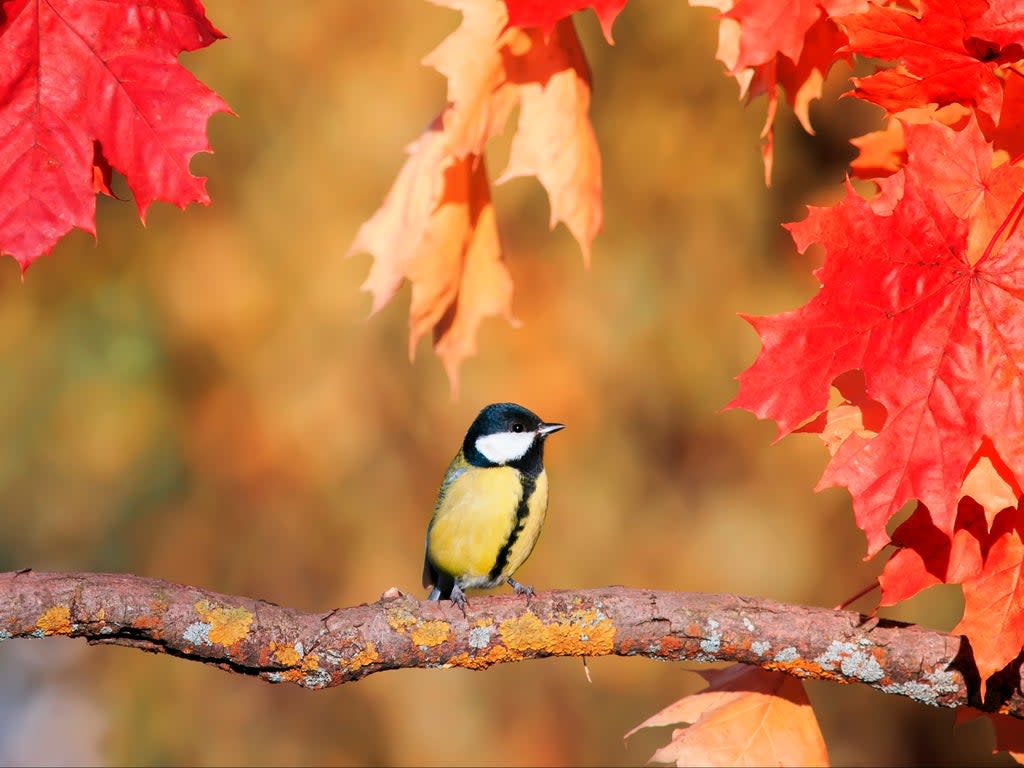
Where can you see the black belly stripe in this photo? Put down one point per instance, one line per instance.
(522, 513)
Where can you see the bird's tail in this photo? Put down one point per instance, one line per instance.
(441, 584)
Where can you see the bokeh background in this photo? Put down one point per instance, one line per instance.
(204, 400)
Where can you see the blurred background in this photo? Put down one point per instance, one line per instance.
(204, 400)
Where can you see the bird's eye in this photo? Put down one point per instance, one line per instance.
(517, 427)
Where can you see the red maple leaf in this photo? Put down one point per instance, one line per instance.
(772, 27)
(940, 59)
(993, 617)
(800, 80)
(765, 45)
(87, 83)
(960, 169)
(1006, 134)
(927, 556)
(938, 338)
(547, 13)
(1002, 23)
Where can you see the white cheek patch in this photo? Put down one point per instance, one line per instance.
(503, 447)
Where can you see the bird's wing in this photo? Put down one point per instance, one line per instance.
(455, 469)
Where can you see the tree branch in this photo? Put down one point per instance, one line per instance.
(318, 650)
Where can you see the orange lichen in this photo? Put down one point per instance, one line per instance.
(55, 621)
(629, 647)
(293, 675)
(227, 625)
(524, 632)
(146, 621)
(585, 632)
(399, 618)
(364, 658)
(299, 667)
(430, 633)
(265, 654)
(286, 654)
(495, 655)
(670, 646)
(804, 668)
(423, 633)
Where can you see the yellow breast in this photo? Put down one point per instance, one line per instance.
(529, 526)
(475, 520)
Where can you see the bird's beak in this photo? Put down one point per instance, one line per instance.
(546, 429)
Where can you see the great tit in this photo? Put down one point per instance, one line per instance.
(490, 506)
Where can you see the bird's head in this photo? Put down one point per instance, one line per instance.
(505, 433)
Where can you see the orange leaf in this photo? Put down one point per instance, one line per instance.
(555, 141)
(478, 283)
(990, 482)
(746, 716)
(480, 95)
(396, 231)
(880, 153)
(857, 414)
(437, 229)
(884, 152)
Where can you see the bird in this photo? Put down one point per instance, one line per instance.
(490, 506)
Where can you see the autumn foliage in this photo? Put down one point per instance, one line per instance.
(745, 716)
(908, 362)
(436, 227)
(919, 293)
(87, 86)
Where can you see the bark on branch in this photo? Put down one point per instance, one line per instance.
(318, 650)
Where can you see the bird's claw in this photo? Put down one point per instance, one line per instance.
(459, 598)
(521, 589)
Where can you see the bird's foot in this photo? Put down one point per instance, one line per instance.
(521, 589)
(459, 598)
